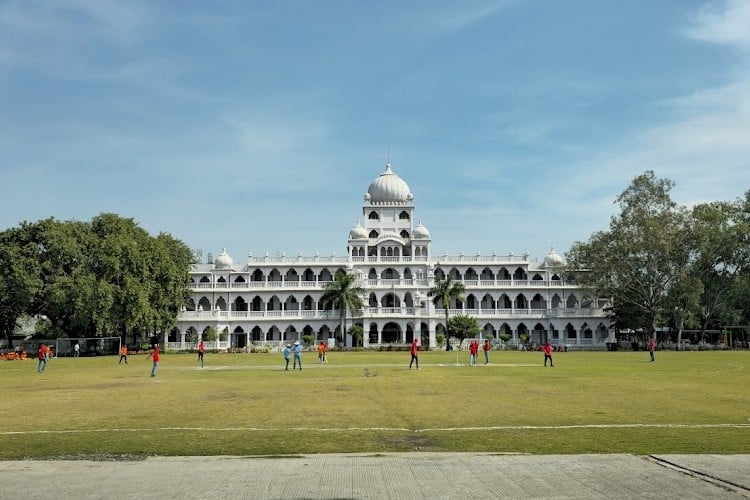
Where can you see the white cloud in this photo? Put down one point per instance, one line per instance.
(729, 25)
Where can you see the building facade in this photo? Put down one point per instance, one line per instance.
(275, 299)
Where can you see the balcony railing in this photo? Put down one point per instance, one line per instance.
(384, 282)
(402, 311)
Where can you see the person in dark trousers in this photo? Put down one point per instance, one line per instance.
(651, 348)
(287, 355)
(201, 350)
(548, 354)
(123, 354)
(414, 353)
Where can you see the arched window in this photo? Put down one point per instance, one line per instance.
(373, 215)
(373, 234)
(404, 215)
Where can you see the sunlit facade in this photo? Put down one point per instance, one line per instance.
(272, 299)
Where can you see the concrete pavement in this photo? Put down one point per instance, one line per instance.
(383, 476)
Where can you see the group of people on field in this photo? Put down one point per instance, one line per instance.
(297, 351)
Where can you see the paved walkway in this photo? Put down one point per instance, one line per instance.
(384, 476)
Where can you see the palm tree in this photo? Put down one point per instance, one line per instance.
(444, 291)
(343, 293)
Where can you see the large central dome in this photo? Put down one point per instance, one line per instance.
(388, 188)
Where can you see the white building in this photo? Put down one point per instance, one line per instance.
(271, 299)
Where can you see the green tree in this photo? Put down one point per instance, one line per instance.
(640, 259)
(210, 334)
(445, 291)
(463, 326)
(357, 334)
(105, 277)
(720, 238)
(20, 283)
(343, 293)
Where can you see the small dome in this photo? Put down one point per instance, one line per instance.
(223, 261)
(553, 259)
(420, 232)
(358, 232)
(388, 188)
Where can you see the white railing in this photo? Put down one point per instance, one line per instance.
(376, 311)
(376, 282)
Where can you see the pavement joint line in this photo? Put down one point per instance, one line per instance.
(709, 478)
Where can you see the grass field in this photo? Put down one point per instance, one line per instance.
(246, 404)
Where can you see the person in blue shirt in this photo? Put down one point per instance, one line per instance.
(287, 355)
(297, 355)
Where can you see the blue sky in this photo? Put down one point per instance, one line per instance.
(258, 126)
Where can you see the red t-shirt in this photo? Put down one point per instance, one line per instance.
(474, 347)
(155, 355)
(486, 346)
(201, 347)
(548, 349)
(414, 348)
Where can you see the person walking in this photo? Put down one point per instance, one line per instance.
(297, 355)
(155, 356)
(548, 354)
(651, 348)
(486, 348)
(201, 350)
(123, 354)
(287, 355)
(414, 353)
(76, 350)
(42, 357)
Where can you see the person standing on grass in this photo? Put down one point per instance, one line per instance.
(201, 349)
(297, 355)
(42, 356)
(473, 350)
(414, 353)
(76, 350)
(651, 348)
(123, 354)
(287, 355)
(486, 348)
(155, 356)
(548, 354)
(322, 352)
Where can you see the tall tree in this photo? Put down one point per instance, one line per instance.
(642, 256)
(720, 238)
(106, 277)
(19, 283)
(169, 266)
(443, 293)
(343, 293)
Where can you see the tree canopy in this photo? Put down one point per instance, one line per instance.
(100, 278)
(663, 264)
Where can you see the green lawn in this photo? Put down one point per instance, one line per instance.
(246, 404)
